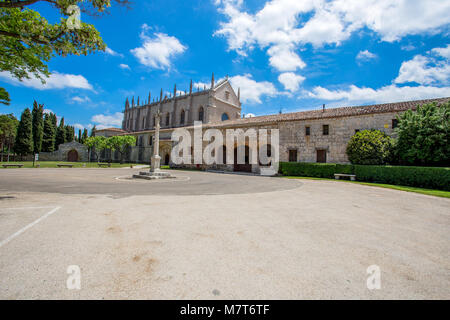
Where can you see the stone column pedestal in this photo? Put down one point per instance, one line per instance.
(155, 163)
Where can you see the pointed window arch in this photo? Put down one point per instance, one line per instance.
(167, 119)
(182, 117)
(201, 114)
(225, 117)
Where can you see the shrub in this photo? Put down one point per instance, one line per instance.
(421, 177)
(424, 136)
(369, 147)
(318, 170)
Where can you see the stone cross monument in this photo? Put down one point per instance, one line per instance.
(156, 159)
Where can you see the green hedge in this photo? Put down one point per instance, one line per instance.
(318, 170)
(421, 177)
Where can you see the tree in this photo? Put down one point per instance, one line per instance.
(371, 147)
(60, 134)
(28, 40)
(8, 130)
(38, 126)
(94, 128)
(70, 133)
(424, 135)
(84, 136)
(48, 140)
(55, 128)
(96, 145)
(79, 135)
(121, 144)
(24, 138)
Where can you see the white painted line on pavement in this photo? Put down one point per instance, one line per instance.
(3, 242)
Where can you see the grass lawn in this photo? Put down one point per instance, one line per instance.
(53, 164)
(430, 192)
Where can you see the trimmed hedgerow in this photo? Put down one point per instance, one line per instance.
(421, 177)
(318, 170)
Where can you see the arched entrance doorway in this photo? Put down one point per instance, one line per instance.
(72, 156)
(242, 167)
(166, 159)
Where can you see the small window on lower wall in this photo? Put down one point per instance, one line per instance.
(394, 123)
(292, 155)
(307, 131)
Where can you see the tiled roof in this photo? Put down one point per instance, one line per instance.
(330, 113)
(318, 114)
(110, 129)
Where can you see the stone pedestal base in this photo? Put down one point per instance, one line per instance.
(155, 165)
(153, 175)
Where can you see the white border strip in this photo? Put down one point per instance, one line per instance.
(3, 242)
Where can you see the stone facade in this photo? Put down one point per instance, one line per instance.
(325, 140)
(71, 151)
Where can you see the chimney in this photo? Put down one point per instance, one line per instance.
(323, 107)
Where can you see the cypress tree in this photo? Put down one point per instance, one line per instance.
(79, 136)
(24, 138)
(93, 131)
(55, 129)
(48, 141)
(38, 126)
(60, 134)
(85, 136)
(70, 133)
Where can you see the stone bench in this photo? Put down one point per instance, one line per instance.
(104, 165)
(12, 165)
(64, 165)
(337, 176)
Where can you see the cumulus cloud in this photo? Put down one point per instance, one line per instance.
(158, 51)
(365, 55)
(55, 81)
(124, 66)
(385, 94)
(79, 99)
(290, 81)
(104, 121)
(113, 53)
(430, 69)
(282, 26)
(251, 90)
(443, 52)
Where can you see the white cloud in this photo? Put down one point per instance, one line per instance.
(365, 55)
(81, 99)
(158, 51)
(249, 115)
(443, 52)
(251, 90)
(113, 53)
(55, 81)
(48, 111)
(124, 66)
(282, 26)
(283, 58)
(429, 69)
(291, 81)
(385, 94)
(104, 121)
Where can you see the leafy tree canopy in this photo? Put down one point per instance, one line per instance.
(28, 40)
(424, 135)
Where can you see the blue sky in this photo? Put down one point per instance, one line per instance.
(284, 54)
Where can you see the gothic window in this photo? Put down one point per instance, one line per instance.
(225, 117)
(200, 114)
(167, 119)
(182, 117)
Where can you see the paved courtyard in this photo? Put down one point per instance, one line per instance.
(216, 236)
